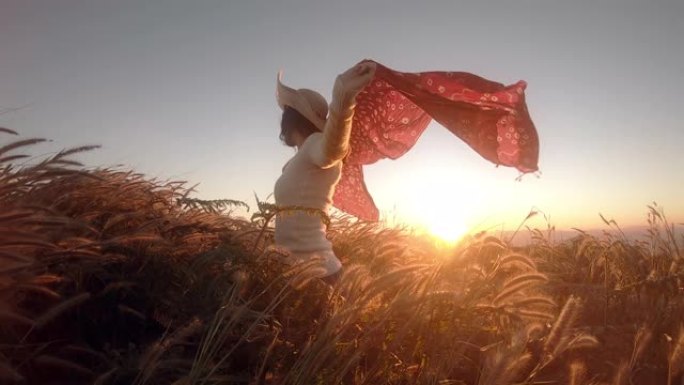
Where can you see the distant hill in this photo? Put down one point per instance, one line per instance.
(632, 233)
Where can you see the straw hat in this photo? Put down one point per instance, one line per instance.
(307, 102)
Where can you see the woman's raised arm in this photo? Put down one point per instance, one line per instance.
(335, 142)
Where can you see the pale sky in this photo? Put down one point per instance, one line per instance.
(185, 90)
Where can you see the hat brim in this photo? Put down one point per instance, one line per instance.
(290, 97)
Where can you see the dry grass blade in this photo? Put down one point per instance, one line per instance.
(21, 143)
(76, 150)
(518, 284)
(10, 269)
(87, 351)
(8, 131)
(565, 321)
(261, 374)
(17, 257)
(12, 158)
(11, 238)
(8, 375)
(106, 377)
(515, 368)
(534, 300)
(56, 362)
(129, 310)
(150, 361)
(517, 258)
(582, 341)
(15, 240)
(676, 357)
(115, 286)
(504, 365)
(578, 372)
(61, 308)
(119, 219)
(11, 317)
(37, 289)
(46, 279)
(392, 278)
(622, 374)
(13, 215)
(128, 239)
(543, 315)
(641, 341)
(65, 162)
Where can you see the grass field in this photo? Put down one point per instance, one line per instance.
(109, 277)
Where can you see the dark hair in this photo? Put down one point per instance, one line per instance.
(293, 121)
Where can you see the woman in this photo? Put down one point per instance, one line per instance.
(308, 181)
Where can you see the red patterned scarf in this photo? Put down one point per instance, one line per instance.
(396, 107)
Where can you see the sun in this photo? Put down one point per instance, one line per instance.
(447, 231)
(441, 207)
(437, 198)
(446, 224)
(446, 227)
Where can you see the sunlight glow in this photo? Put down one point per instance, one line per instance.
(447, 230)
(444, 208)
(446, 227)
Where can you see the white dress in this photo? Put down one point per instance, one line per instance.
(308, 180)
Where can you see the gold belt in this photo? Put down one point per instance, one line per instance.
(307, 210)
